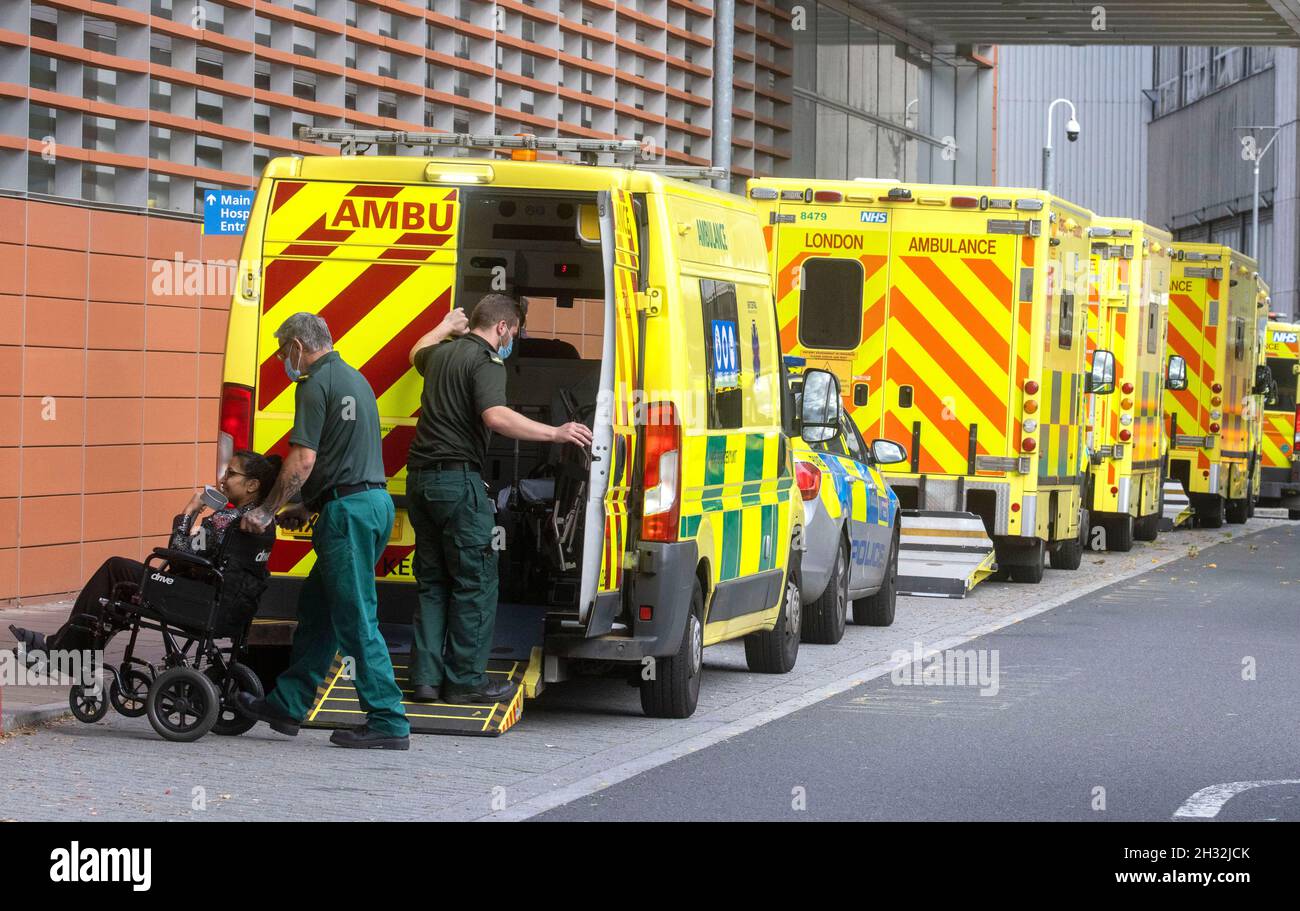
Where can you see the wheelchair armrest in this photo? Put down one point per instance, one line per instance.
(180, 556)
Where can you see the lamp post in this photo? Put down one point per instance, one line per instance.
(1071, 133)
(1254, 154)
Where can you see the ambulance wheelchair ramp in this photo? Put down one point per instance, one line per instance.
(1178, 508)
(337, 706)
(943, 554)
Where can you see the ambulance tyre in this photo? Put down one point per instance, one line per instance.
(1147, 528)
(1209, 511)
(1238, 511)
(824, 619)
(878, 609)
(1070, 554)
(1030, 570)
(674, 689)
(1119, 534)
(775, 651)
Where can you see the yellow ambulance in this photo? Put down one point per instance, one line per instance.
(1214, 311)
(651, 320)
(1279, 466)
(954, 319)
(1127, 316)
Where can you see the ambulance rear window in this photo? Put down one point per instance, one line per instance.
(830, 304)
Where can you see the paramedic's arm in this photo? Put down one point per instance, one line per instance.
(510, 423)
(309, 410)
(454, 323)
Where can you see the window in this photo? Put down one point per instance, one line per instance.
(209, 62)
(305, 6)
(462, 46)
(160, 190)
(462, 84)
(45, 22)
(459, 122)
(97, 182)
(160, 143)
(1196, 73)
(722, 361)
(161, 8)
(304, 85)
(1286, 384)
(208, 152)
(830, 304)
(526, 67)
(100, 35)
(160, 49)
(262, 31)
(40, 122)
(261, 118)
(261, 157)
(388, 104)
(350, 95)
(350, 54)
(99, 84)
(207, 106)
(528, 29)
(1166, 79)
(262, 75)
(1227, 65)
(213, 18)
(160, 95)
(1066, 334)
(40, 175)
(351, 14)
(387, 24)
(98, 133)
(304, 42)
(387, 64)
(44, 72)
(586, 115)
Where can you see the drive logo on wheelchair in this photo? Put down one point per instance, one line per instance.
(159, 577)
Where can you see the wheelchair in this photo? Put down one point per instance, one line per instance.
(202, 608)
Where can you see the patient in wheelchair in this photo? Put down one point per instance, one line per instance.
(247, 480)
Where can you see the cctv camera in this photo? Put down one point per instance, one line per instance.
(1072, 130)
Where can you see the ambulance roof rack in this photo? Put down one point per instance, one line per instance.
(358, 142)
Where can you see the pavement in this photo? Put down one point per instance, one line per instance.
(578, 738)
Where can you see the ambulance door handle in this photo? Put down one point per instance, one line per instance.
(620, 456)
(860, 393)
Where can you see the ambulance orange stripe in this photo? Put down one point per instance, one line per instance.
(407, 255)
(393, 555)
(981, 329)
(1187, 307)
(379, 191)
(284, 191)
(282, 276)
(1027, 252)
(932, 408)
(287, 554)
(1184, 350)
(990, 403)
(896, 430)
(396, 447)
(391, 363)
(997, 281)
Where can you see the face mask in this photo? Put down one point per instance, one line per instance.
(291, 371)
(504, 351)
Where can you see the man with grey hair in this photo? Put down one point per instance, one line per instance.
(335, 462)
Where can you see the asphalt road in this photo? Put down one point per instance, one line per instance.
(1143, 689)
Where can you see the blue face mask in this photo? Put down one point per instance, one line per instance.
(291, 371)
(504, 351)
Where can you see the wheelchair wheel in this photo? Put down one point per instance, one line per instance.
(129, 699)
(238, 679)
(88, 705)
(182, 705)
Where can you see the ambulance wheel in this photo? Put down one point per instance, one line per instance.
(238, 679)
(88, 705)
(1067, 556)
(1237, 511)
(1293, 515)
(878, 609)
(823, 621)
(1147, 528)
(1209, 511)
(674, 689)
(1119, 534)
(775, 651)
(183, 705)
(129, 698)
(1030, 570)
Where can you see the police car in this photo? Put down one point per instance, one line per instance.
(851, 530)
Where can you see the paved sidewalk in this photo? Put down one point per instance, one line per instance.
(578, 737)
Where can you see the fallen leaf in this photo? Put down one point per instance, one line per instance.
(1211, 566)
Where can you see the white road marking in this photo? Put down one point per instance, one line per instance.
(1207, 802)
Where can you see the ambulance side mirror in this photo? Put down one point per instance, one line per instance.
(819, 407)
(887, 452)
(1263, 378)
(1176, 373)
(1101, 378)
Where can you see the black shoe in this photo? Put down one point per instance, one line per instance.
(30, 640)
(487, 694)
(363, 738)
(424, 693)
(262, 710)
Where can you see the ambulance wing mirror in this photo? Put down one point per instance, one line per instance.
(1176, 374)
(1101, 378)
(587, 227)
(887, 452)
(819, 408)
(1263, 379)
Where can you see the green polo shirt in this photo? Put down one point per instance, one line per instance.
(335, 414)
(463, 377)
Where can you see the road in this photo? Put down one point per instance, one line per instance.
(588, 736)
(1144, 690)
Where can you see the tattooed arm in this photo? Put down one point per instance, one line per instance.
(293, 474)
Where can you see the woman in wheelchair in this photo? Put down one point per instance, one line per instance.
(246, 482)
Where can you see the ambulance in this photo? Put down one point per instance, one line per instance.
(954, 319)
(1279, 466)
(1215, 306)
(650, 318)
(1127, 315)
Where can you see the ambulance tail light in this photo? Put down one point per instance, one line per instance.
(809, 479)
(661, 472)
(965, 202)
(828, 196)
(236, 416)
(1297, 424)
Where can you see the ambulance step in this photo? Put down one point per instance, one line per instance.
(337, 706)
(943, 554)
(1178, 509)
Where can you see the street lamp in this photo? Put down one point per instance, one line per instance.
(1071, 133)
(1255, 154)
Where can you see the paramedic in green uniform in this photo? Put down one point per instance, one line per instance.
(463, 403)
(335, 462)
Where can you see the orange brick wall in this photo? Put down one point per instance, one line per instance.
(133, 377)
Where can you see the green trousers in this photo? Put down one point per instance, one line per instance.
(456, 573)
(337, 613)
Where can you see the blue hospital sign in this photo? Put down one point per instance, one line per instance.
(226, 211)
(726, 355)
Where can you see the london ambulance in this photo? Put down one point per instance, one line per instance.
(953, 317)
(650, 318)
(1280, 467)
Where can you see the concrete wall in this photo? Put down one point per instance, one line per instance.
(108, 388)
(1106, 169)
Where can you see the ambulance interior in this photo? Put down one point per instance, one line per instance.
(544, 249)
